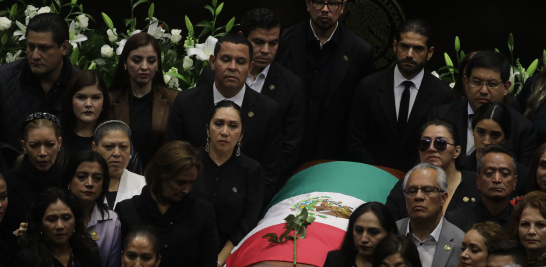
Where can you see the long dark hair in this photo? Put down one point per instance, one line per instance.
(453, 131)
(68, 118)
(533, 167)
(121, 79)
(497, 112)
(80, 241)
(89, 156)
(384, 217)
(393, 244)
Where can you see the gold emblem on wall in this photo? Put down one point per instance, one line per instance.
(376, 22)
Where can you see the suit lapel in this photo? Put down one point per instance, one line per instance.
(445, 246)
(250, 111)
(297, 50)
(159, 108)
(207, 102)
(387, 102)
(342, 61)
(121, 108)
(270, 87)
(420, 107)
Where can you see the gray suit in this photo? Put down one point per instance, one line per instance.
(450, 236)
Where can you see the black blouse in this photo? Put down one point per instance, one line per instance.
(187, 233)
(336, 258)
(466, 193)
(141, 124)
(236, 190)
(25, 184)
(8, 246)
(78, 144)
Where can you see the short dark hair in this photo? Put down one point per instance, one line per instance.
(261, 18)
(49, 22)
(453, 131)
(234, 39)
(144, 231)
(393, 244)
(509, 247)
(496, 112)
(496, 149)
(417, 26)
(489, 60)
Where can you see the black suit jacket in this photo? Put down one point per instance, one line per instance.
(465, 217)
(373, 125)
(286, 89)
(262, 131)
(522, 142)
(353, 61)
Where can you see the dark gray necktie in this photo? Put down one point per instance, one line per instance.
(404, 106)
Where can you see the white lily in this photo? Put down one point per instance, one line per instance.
(75, 37)
(135, 32)
(512, 79)
(435, 74)
(120, 44)
(203, 51)
(45, 9)
(12, 57)
(31, 11)
(155, 30)
(21, 32)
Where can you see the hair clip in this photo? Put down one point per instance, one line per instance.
(42, 115)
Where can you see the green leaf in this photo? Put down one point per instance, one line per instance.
(511, 42)
(129, 21)
(138, 3)
(151, 11)
(214, 3)
(13, 11)
(205, 31)
(457, 44)
(290, 217)
(210, 8)
(450, 68)
(75, 56)
(53, 9)
(58, 3)
(285, 234)
(272, 237)
(303, 214)
(219, 9)
(220, 34)
(462, 55)
(108, 21)
(532, 67)
(4, 39)
(204, 23)
(189, 26)
(302, 233)
(496, 50)
(230, 24)
(448, 61)
(310, 219)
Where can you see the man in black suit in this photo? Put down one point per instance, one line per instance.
(390, 107)
(191, 109)
(330, 60)
(262, 28)
(496, 180)
(487, 80)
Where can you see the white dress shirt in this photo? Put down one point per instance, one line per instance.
(258, 83)
(237, 99)
(427, 247)
(399, 88)
(469, 136)
(330, 38)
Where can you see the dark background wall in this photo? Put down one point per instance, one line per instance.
(480, 24)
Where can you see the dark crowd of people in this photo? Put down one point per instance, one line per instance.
(137, 174)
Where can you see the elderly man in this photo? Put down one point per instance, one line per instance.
(496, 180)
(506, 252)
(437, 240)
(35, 83)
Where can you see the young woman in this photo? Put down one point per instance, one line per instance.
(536, 176)
(112, 140)
(232, 182)
(39, 168)
(86, 104)
(8, 241)
(141, 248)
(86, 176)
(186, 227)
(369, 224)
(56, 235)
(396, 251)
(477, 240)
(139, 95)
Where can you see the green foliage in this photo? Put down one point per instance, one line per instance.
(210, 26)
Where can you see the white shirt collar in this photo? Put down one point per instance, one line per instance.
(258, 83)
(435, 234)
(330, 38)
(470, 111)
(238, 98)
(399, 78)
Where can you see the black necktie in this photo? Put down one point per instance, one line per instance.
(404, 106)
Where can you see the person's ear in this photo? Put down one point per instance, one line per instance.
(60, 142)
(240, 137)
(444, 198)
(430, 52)
(507, 86)
(457, 152)
(208, 130)
(158, 261)
(93, 146)
(65, 46)
(212, 61)
(23, 145)
(251, 66)
(394, 44)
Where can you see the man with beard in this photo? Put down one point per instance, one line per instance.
(330, 60)
(496, 180)
(390, 107)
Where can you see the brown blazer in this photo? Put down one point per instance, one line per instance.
(163, 100)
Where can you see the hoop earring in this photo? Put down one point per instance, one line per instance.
(238, 153)
(207, 147)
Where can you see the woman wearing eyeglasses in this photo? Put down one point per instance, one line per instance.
(439, 145)
(492, 125)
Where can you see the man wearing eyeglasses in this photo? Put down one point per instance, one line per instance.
(487, 80)
(330, 60)
(437, 240)
(496, 180)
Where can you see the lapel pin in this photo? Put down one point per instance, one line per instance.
(272, 87)
(95, 236)
(234, 190)
(251, 114)
(465, 199)
(447, 248)
(346, 58)
(473, 200)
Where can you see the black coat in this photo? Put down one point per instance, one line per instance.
(187, 232)
(335, 258)
(466, 193)
(522, 141)
(287, 89)
(262, 140)
(352, 62)
(25, 258)
(373, 125)
(465, 217)
(8, 246)
(22, 94)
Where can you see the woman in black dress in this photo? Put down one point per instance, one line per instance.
(439, 145)
(368, 225)
(86, 104)
(396, 250)
(56, 235)
(8, 241)
(39, 168)
(186, 228)
(230, 181)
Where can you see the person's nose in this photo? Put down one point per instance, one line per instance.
(265, 49)
(59, 225)
(419, 195)
(144, 65)
(88, 102)
(43, 152)
(483, 89)
(232, 66)
(325, 8)
(487, 141)
(36, 55)
(116, 152)
(224, 131)
(365, 238)
(464, 254)
(532, 231)
(89, 182)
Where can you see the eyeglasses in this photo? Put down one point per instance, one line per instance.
(489, 84)
(428, 190)
(332, 6)
(439, 144)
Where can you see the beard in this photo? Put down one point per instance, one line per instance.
(410, 70)
(324, 25)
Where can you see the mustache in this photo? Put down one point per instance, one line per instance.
(408, 60)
